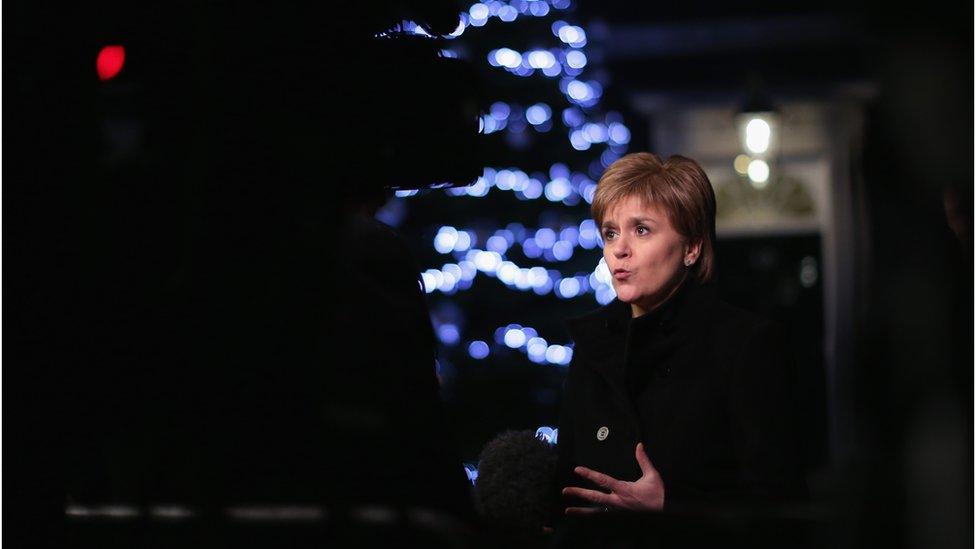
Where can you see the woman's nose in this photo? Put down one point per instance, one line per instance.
(621, 249)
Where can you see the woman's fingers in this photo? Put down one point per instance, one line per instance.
(583, 510)
(601, 480)
(644, 461)
(589, 495)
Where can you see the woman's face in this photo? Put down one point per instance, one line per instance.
(644, 253)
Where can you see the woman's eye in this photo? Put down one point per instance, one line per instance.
(642, 230)
(608, 234)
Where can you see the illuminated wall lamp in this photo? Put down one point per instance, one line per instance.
(757, 123)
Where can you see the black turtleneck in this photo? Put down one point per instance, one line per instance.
(645, 330)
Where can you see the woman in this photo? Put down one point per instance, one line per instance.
(673, 397)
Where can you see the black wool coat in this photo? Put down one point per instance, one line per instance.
(704, 385)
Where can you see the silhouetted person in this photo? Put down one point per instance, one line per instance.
(383, 410)
(185, 312)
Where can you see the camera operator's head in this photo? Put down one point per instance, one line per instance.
(296, 102)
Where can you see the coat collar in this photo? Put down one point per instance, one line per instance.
(605, 337)
(601, 335)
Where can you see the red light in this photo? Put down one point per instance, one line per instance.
(110, 61)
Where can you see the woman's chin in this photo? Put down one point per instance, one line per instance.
(627, 297)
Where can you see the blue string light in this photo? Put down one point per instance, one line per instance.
(450, 240)
(573, 117)
(411, 27)
(575, 59)
(538, 114)
(478, 349)
(547, 434)
(508, 13)
(480, 13)
(448, 334)
(568, 189)
(577, 140)
(538, 9)
(454, 277)
(471, 471)
(551, 63)
(615, 134)
(526, 340)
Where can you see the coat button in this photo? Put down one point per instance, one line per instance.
(602, 433)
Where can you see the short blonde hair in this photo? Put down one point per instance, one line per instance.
(679, 186)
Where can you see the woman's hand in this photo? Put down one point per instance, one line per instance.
(644, 494)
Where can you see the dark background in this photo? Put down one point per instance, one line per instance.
(103, 185)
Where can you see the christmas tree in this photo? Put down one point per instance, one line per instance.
(507, 259)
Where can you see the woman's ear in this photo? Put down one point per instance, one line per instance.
(692, 251)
